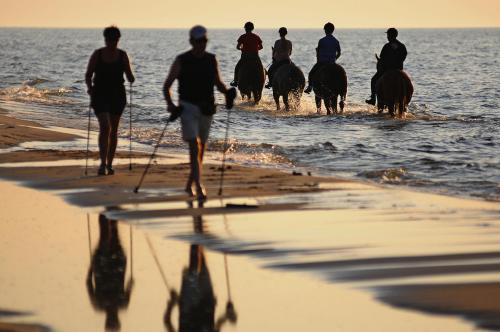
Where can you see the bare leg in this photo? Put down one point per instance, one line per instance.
(104, 130)
(113, 138)
(196, 152)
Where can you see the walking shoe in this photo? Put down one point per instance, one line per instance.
(101, 170)
(110, 169)
(371, 101)
(233, 83)
(308, 89)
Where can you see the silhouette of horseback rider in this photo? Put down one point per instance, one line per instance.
(392, 56)
(281, 54)
(328, 51)
(249, 44)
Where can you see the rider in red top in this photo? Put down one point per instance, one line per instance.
(249, 44)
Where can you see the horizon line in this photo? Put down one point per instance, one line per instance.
(238, 28)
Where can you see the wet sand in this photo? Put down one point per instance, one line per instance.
(296, 252)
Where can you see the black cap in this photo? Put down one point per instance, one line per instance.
(392, 31)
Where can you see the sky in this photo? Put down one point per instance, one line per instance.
(264, 13)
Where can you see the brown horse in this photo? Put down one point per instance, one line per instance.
(329, 82)
(251, 77)
(288, 82)
(394, 90)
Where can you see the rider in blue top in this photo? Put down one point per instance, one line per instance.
(328, 51)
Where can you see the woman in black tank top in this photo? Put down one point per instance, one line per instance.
(104, 79)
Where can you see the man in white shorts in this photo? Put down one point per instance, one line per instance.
(197, 73)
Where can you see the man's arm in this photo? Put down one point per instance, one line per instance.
(218, 82)
(259, 45)
(239, 44)
(90, 71)
(339, 51)
(404, 53)
(173, 74)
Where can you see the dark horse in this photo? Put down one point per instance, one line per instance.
(394, 90)
(330, 82)
(251, 77)
(288, 82)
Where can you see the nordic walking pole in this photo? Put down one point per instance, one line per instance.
(172, 118)
(131, 255)
(228, 285)
(90, 241)
(130, 131)
(230, 95)
(88, 141)
(153, 253)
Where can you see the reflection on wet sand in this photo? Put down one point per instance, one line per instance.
(197, 300)
(106, 274)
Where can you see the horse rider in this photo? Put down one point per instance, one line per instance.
(392, 56)
(328, 51)
(249, 44)
(281, 54)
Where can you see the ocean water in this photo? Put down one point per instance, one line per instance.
(449, 143)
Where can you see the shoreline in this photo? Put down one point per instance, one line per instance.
(379, 235)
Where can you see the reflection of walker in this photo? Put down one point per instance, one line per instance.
(196, 300)
(106, 275)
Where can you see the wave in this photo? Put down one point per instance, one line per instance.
(389, 175)
(28, 93)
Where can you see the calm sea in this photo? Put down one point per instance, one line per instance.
(449, 143)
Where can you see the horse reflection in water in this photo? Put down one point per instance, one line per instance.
(197, 301)
(106, 274)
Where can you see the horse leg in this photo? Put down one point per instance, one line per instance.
(328, 105)
(342, 104)
(256, 97)
(276, 97)
(402, 107)
(285, 101)
(391, 108)
(380, 106)
(334, 103)
(318, 104)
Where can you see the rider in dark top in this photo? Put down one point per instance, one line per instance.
(392, 56)
(328, 51)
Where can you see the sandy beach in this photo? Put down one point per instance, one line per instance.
(280, 251)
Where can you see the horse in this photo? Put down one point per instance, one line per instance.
(251, 78)
(329, 82)
(394, 90)
(288, 82)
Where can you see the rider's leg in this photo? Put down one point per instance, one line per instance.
(235, 76)
(311, 74)
(373, 84)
